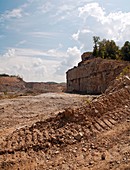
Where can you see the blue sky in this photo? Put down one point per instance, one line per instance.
(41, 39)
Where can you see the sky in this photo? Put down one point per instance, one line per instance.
(41, 39)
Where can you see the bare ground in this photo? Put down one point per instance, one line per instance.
(24, 111)
(94, 134)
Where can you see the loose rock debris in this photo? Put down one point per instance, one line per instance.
(94, 135)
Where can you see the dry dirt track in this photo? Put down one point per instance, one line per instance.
(93, 137)
(22, 111)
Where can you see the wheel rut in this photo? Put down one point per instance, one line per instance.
(36, 139)
(67, 129)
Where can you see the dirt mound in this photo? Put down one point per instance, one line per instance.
(123, 80)
(95, 136)
(11, 84)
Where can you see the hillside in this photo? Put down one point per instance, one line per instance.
(13, 86)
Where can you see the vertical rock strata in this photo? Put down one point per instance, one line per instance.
(93, 76)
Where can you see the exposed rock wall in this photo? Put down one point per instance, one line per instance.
(11, 84)
(93, 76)
(45, 87)
(14, 84)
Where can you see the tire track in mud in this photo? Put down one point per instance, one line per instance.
(67, 128)
(40, 139)
(109, 121)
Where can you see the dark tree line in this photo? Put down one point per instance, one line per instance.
(109, 49)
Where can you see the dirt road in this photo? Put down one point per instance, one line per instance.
(94, 134)
(22, 111)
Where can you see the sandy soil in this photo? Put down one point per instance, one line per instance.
(18, 112)
(89, 133)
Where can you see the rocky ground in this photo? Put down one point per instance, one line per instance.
(58, 131)
(25, 110)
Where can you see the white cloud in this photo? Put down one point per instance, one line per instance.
(92, 9)
(74, 51)
(35, 53)
(46, 7)
(96, 21)
(67, 10)
(75, 36)
(86, 31)
(10, 53)
(82, 37)
(64, 11)
(42, 34)
(33, 65)
(15, 13)
(36, 65)
(52, 24)
(21, 43)
(72, 59)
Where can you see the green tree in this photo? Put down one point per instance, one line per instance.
(102, 48)
(108, 49)
(112, 49)
(125, 51)
(95, 49)
(105, 48)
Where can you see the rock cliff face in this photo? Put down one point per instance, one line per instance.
(14, 85)
(11, 84)
(93, 76)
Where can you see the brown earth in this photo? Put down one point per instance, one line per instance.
(93, 76)
(67, 132)
(25, 110)
(14, 86)
(58, 131)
